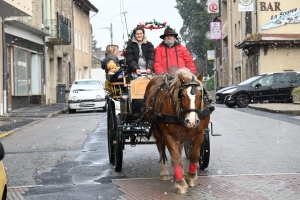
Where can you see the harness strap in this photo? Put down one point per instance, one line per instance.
(170, 119)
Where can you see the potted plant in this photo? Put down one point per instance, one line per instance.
(296, 94)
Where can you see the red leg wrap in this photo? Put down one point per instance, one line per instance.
(178, 172)
(193, 168)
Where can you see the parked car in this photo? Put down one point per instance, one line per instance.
(271, 87)
(86, 94)
(3, 180)
(219, 98)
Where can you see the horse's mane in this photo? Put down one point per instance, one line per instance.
(176, 85)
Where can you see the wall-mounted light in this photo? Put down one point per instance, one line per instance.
(51, 58)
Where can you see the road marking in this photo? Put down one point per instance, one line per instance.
(6, 134)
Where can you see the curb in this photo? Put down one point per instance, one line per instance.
(54, 114)
(288, 112)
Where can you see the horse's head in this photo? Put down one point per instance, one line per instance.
(190, 93)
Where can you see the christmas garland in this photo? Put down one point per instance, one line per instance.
(153, 25)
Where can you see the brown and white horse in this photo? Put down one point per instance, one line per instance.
(178, 112)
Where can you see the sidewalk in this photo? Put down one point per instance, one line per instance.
(247, 186)
(283, 108)
(24, 116)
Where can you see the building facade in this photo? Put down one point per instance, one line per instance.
(83, 38)
(24, 42)
(38, 37)
(9, 9)
(58, 21)
(260, 41)
(69, 45)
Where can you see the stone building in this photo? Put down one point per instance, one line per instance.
(260, 41)
(83, 38)
(43, 54)
(68, 46)
(9, 9)
(24, 42)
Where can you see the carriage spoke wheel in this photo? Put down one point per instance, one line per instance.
(242, 101)
(118, 146)
(110, 131)
(204, 151)
(187, 147)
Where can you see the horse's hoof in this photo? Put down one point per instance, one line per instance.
(164, 177)
(191, 179)
(180, 186)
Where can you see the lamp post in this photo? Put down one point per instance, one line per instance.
(111, 29)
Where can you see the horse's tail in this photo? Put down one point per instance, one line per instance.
(163, 156)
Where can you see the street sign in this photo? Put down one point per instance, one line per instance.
(246, 5)
(210, 54)
(213, 6)
(215, 31)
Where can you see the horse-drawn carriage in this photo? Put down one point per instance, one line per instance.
(175, 110)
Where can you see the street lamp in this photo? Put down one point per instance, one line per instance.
(111, 30)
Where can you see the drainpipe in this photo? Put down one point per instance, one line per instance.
(5, 75)
(44, 57)
(74, 50)
(256, 30)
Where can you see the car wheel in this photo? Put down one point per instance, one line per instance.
(242, 101)
(104, 108)
(72, 110)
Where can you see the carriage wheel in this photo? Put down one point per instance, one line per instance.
(111, 129)
(187, 148)
(205, 151)
(119, 147)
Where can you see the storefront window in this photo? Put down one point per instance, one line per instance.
(20, 72)
(36, 74)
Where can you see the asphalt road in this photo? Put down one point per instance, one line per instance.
(65, 157)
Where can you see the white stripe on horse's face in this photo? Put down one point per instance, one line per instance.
(192, 116)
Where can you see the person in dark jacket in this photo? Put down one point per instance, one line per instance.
(170, 55)
(111, 64)
(139, 54)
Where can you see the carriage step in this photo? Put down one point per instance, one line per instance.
(144, 142)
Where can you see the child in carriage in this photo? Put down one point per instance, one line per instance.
(114, 73)
(111, 64)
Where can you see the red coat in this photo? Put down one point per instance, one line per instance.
(184, 58)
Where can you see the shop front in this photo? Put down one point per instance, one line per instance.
(26, 72)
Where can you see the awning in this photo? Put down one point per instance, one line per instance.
(257, 39)
(26, 27)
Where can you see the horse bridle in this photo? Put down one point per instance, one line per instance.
(201, 113)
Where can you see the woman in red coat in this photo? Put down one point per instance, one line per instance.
(171, 55)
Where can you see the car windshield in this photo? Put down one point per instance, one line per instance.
(249, 80)
(87, 84)
(90, 82)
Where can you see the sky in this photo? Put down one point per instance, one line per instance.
(137, 11)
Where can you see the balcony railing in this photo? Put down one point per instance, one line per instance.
(59, 31)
